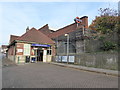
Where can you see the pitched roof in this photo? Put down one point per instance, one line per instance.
(70, 28)
(67, 29)
(45, 29)
(12, 38)
(34, 35)
(64, 30)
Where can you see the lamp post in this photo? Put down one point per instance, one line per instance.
(83, 30)
(67, 35)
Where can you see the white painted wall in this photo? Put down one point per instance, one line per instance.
(44, 55)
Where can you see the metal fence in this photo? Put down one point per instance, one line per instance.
(84, 52)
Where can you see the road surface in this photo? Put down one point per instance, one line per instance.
(44, 75)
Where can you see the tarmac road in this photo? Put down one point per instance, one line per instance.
(44, 75)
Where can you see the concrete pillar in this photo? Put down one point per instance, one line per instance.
(45, 56)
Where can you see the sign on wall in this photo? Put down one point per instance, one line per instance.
(27, 48)
(59, 58)
(71, 59)
(64, 58)
(19, 50)
(42, 45)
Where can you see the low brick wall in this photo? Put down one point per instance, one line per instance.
(97, 60)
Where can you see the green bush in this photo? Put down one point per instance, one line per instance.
(102, 38)
(107, 45)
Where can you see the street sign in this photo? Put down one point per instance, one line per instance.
(42, 45)
(77, 20)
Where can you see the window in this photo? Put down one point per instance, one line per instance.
(48, 52)
(26, 49)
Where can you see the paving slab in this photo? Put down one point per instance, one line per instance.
(91, 69)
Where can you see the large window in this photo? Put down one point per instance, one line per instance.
(27, 49)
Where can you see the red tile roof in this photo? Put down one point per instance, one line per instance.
(45, 29)
(12, 38)
(67, 29)
(34, 35)
(64, 30)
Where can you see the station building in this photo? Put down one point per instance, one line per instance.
(47, 45)
(69, 40)
(31, 46)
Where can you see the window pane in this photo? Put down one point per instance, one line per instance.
(48, 52)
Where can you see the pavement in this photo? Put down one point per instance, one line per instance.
(7, 63)
(45, 75)
(90, 69)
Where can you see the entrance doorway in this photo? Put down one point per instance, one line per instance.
(27, 60)
(39, 55)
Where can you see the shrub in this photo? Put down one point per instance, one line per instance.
(107, 45)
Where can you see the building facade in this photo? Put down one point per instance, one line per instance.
(69, 40)
(47, 45)
(32, 46)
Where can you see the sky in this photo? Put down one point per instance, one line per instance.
(16, 16)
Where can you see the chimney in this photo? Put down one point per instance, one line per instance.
(27, 29)
(85, 21)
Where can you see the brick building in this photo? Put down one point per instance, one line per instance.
(75, 36)
(32, 45)
(45, 44)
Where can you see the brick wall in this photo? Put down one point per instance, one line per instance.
(11, 50)
(19, 48)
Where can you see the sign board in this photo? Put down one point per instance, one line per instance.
(64, 58)
(58, 58)
(77, 20)
(35, 48)
(71, 59)
(27, 48)
(19, 50)
(42, 45)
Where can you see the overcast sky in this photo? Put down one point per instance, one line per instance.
(16, 16)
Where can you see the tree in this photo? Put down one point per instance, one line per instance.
(107, 26)
(108, 12)
(106, 22)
